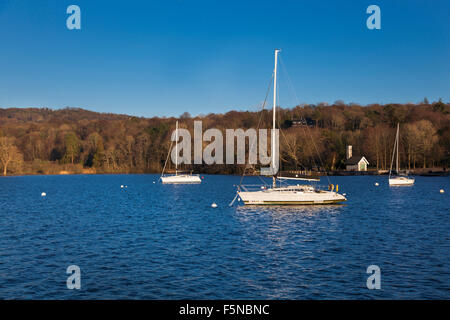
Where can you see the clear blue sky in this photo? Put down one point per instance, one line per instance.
(162, 58)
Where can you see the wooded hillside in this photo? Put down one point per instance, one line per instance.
(45, 141)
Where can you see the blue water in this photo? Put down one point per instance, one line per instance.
(153, 241)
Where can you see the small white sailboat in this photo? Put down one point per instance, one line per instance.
(180, 177)
(286, 195)
(398, 179)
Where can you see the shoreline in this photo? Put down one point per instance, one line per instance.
(428, 172)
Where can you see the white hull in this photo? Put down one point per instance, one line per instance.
(290, 196)
(181, 179)
(401, 181)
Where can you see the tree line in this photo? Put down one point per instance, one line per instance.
(71, 140)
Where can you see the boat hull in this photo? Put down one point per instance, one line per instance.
(403, 181)
(181, 179)
(269, 197)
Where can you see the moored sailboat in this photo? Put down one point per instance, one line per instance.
(180, 177)
(398, 179)
(286, 195)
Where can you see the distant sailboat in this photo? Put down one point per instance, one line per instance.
(286, 195)
(398, 179)
(179, 177)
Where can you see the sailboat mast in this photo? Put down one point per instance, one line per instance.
(176, 149)
(274, 111)
(398, 128)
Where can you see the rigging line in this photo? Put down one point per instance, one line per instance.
(298, 103)
(168, 154)
(262, 180)
(292, 89)
(290, 147)
(316, 149)
(285, 138)
(259, 124)
(279, 126)
(232, 202)
(284, 135)
(393, 154)
(297, 161)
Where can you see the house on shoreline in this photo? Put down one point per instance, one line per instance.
(355, 163)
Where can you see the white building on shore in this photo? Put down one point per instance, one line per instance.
(355, 163)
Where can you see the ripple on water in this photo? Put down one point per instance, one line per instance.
(158, 241)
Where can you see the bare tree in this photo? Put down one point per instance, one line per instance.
(427, 137)
(8, 153)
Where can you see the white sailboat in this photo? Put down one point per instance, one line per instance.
(179, 177)
(398, 179)
(286, 195)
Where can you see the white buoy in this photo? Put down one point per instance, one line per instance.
(154, 182)
(121, 186)
(441, 191)
(376, 184)
(214, 205)
(43, 194)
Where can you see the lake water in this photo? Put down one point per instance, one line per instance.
(153, 241)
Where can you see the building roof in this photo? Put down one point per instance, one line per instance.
(355, 160)
(303, 122)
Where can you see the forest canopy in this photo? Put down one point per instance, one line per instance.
(71, 140)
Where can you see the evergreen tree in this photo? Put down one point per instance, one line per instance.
(99, 156)
(72, 147)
